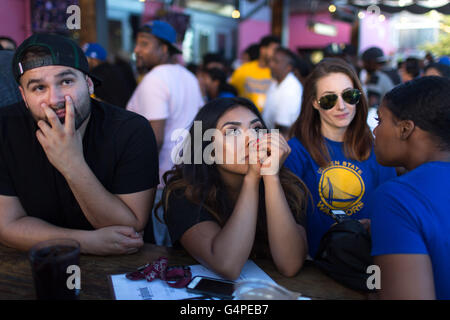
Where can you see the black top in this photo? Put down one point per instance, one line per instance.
(183, 214)
(119, 147)
(116, 87)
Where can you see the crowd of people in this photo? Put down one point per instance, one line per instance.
(89, 151)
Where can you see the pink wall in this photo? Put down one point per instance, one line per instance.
(301, 37)
(251, 31)
(372, 32)
(15, 21)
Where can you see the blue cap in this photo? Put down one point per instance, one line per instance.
(163, 31)
(94, 50)
(444, 60)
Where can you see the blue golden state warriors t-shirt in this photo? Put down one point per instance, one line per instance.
(411, 215)
(344, 185)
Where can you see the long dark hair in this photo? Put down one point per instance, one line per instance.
(202, 184)
(358, 139)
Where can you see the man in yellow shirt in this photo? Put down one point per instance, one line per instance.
(253, 79)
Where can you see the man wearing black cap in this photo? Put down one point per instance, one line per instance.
(70, 166)
(168, 96)
(375, 82)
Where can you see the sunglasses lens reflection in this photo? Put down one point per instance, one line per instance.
(351, 96)
(328, 101)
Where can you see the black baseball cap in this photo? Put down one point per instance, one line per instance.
(63, 51)
(375, 54)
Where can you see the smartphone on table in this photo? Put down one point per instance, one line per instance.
(211, 287)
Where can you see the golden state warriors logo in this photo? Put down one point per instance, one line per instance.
(341, 188)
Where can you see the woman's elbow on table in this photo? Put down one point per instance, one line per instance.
(290, 270)
(230, 274)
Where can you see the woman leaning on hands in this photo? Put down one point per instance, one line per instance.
(244, 203)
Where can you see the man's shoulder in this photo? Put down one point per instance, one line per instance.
(168, 74)
(250, 65)
(247, 67)
(170, 69)
(290, 83)
(13, 111)
(14, 108)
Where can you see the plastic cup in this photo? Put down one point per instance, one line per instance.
(253, 289)
(50, 262)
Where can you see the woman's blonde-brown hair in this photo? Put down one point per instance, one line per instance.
(358, 139)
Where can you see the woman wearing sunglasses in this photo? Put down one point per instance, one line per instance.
(332, 148)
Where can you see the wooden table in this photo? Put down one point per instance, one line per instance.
(16, 280)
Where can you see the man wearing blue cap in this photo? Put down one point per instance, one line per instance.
(117, 85)
(95, 54)
(168, 96)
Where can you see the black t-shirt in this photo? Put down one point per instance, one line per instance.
(116, 88)
(119, 147)
(183, 214)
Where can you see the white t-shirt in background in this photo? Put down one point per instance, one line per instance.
(169, 92)
(283, 102)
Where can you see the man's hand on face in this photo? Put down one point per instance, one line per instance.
(62, 143)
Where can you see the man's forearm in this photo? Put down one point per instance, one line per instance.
(25, 232)
(100, 207)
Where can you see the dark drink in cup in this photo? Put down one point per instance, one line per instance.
(50, 261)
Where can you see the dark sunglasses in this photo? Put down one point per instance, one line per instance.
(350, 96)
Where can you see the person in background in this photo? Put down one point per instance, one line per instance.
(302, 68)
(168, 96)
(116, 88)
(210, 61)
(410, 69)
(95, 54)
(444, 60)
(9, 92)
(216, 85)
(437, 69)
(351, 56)
(253, 79)
(249, 54)
(332, 148)
(284, 96)
(375, 82)
(333, 50)
(8, 43)
(410, 217)
(122, 63)
(214, 60)
(226, 212)
(429, 58)
(71, 166)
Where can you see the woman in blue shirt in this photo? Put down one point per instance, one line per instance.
(410, 214)
(332, 148)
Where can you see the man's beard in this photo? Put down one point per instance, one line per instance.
(80, 116)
